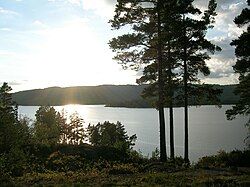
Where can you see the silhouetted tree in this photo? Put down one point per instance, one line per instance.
(143, 46)
(170, 19)
(47, 126)
(76, 133)
(111, 135)
(8, 119)
(72, 130)
(194, 52)
(14, 135)
(242, 67)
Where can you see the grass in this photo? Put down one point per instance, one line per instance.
(190, 177)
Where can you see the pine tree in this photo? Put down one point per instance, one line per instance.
(194, 53)
(143, 47)
(170, 34)
(242, 67)
(8, 119)
(47, 129)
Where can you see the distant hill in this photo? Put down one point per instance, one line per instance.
(109, 95)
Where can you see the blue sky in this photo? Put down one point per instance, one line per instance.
(47, 43)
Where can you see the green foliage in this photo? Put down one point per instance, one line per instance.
(5, 175)
(155, 154)
(17, 161)
(242, 67)
(75, 130)
(114, 96)
(111, 135)
(223, 159)
(120, 168)
(47, 126)
(95, 178)
(64, 163)
(8, 119)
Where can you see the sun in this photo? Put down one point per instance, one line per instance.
(74, 54)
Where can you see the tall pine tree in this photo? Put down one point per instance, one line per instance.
(194, 51)
(242, 67)
(169, 37)
(143, 47)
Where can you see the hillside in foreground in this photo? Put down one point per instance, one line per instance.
(109, 95)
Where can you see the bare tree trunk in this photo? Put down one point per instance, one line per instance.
(163, 153)
(171, 113)
(171, 124)
(186, 159)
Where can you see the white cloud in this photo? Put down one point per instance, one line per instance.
(220, 67)
(6, 53)
(6, 29)
(38, 23)
(234, 31)
(76, 2)
(231, 79)
(102, 8)
(7, 12)
(222, 34)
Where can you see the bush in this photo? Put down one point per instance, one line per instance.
(111, 135)
(223, 159)
(64, 163)
(5, 176)
(122, 169)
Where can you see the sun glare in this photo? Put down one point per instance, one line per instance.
(75, 55)
(73, 108)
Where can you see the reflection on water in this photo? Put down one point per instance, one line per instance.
(209, 131)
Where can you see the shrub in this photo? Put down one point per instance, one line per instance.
(122, 169)
(64, 163)
(111, 135)
(223, 159)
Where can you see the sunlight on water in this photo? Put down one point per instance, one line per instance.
(209, 130)
(68, 110)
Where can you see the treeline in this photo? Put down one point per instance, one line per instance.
(53, 150)
(168, 44)
(109, 95)
(54, 141)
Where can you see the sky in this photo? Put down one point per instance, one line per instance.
(47, 43)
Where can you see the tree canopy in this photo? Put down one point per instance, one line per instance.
(242, 66)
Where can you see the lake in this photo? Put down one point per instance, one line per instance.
(209, 130)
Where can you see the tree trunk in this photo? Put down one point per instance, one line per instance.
(163, 154)
(171, 113)
(186, 159)
(171, 124)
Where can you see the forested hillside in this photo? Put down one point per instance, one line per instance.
(110, 95)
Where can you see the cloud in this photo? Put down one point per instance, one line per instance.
(6, 53)
(5, 29)
(13, 83)
(221, 67)
(222, 34)
(104, 8)
(38, 23)
(8, 12)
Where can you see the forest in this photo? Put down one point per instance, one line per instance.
(109, 95)
(56, 149)
(167, 39)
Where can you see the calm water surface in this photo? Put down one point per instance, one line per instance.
(209, 130)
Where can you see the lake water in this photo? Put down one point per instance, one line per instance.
(209, 130)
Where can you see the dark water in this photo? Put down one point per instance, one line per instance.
(209, 130)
